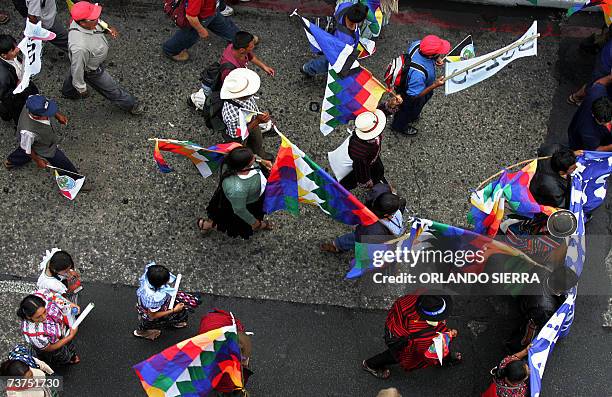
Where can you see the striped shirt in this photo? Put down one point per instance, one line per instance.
(48, 332)
(404, 320)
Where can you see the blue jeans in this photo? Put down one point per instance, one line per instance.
(346, 242)
(186, 37)
(316, 66)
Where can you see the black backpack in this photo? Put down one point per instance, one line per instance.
(397, 71)
(211, 77)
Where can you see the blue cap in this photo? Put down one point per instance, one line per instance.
(40, 105)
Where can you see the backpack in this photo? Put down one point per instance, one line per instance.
(176, 10)
(397, 71)
(211, 77)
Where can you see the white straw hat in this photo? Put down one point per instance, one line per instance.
(240, 83)
(369, 125)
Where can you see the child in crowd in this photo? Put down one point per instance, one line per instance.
(510, 377)
(154, 296)
(59, 275)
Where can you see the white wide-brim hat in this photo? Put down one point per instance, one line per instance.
(369, 125)
(240, 83)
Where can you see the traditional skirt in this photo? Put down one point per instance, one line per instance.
(220, 211)
(190, 302)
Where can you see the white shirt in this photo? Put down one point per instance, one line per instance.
(17, 65)
(51, 283)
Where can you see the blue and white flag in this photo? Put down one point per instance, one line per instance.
(589, 186)
(342, 57)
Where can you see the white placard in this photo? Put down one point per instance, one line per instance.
(484, 70)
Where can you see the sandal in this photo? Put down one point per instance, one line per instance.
(8, 165)
(74, 360)
(380, 373)
(329, 247)
(202, 225)
(572, 100)
(4, 17)
(453, 359)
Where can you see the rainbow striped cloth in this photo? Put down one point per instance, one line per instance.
(488, 204)
(295, 178)
(462, 239)
(194, 367)
(351, 89)
(206, 160)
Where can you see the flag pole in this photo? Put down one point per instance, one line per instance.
(63, 170)
(493, 56)
(509, 167)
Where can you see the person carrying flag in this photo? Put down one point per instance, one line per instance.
(420, 81)
(37, 138)
(237, 92)
(348, 17)
(411, 325)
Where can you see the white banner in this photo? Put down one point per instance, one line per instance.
(31, 48)
(493, 62)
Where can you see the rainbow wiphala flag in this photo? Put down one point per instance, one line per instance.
(194, 367)
(462, 240)
(206, 160)
(488, 204)
(295, 178)
(351, 89)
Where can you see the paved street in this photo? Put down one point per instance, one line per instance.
(312, 327)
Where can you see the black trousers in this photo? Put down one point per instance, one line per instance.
(13, 105)
(19, 157)
(381, 360)
(409, 111)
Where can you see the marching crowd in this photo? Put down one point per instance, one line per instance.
(229, 86)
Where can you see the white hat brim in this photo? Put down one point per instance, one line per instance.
(382, 122)
(253, 84)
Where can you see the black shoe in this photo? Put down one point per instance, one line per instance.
(409, 131)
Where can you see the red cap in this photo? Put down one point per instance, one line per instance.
(432, 45)
(85, 10)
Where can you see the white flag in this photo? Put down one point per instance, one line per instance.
(69, 187)
(31, 48)
(490, 67)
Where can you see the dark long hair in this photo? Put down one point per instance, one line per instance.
(513, 371)
(235, 161)
(61, 260)
(13, 368)
(29, 305)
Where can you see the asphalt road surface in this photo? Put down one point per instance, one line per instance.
(312, 327)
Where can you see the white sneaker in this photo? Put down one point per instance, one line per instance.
(244, 1)
(227, 11)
